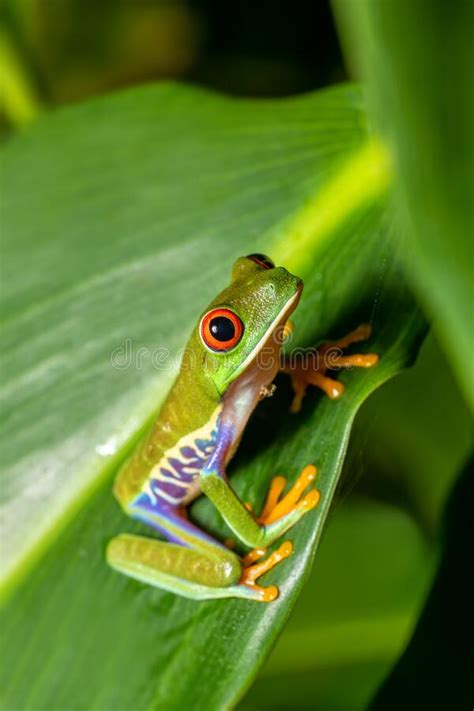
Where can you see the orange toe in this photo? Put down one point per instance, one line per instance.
(251, 573)
(288, 502)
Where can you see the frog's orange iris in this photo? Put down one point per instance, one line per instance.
(221, 329)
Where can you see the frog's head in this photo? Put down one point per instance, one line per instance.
(243, 319)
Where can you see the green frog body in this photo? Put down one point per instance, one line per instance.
(229, 364)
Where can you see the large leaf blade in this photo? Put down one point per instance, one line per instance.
(149, 181)
(158, 650)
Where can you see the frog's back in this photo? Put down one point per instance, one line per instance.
(166, 464)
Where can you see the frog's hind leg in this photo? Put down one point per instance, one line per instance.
(187, 572)
(194, 565)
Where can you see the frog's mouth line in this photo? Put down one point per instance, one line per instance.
(281, 318)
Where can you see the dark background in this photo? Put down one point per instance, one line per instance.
(67, 50)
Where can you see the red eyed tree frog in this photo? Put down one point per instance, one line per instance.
(229, 364)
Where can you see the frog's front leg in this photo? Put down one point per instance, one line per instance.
(311, 368)
(279, 514)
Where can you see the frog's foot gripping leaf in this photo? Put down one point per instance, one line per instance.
(312, 370)
(276, 506)
(252, 571)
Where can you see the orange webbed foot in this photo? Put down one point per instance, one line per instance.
(276, 506)
(329, 356)
(252, 571)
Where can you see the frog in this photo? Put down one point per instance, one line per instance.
(234, 353)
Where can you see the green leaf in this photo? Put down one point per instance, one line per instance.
(407, 448)
(338, 647)
(131, 210)
(417, 59)
(381, 543)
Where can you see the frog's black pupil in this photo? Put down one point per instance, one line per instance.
(222, 329)
(262, 260)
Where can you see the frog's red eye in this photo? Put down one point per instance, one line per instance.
(262, 260)
(221, 329)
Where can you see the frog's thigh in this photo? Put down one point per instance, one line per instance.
(174, 567)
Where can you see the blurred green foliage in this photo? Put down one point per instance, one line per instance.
(417, 61)
(71, 49)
